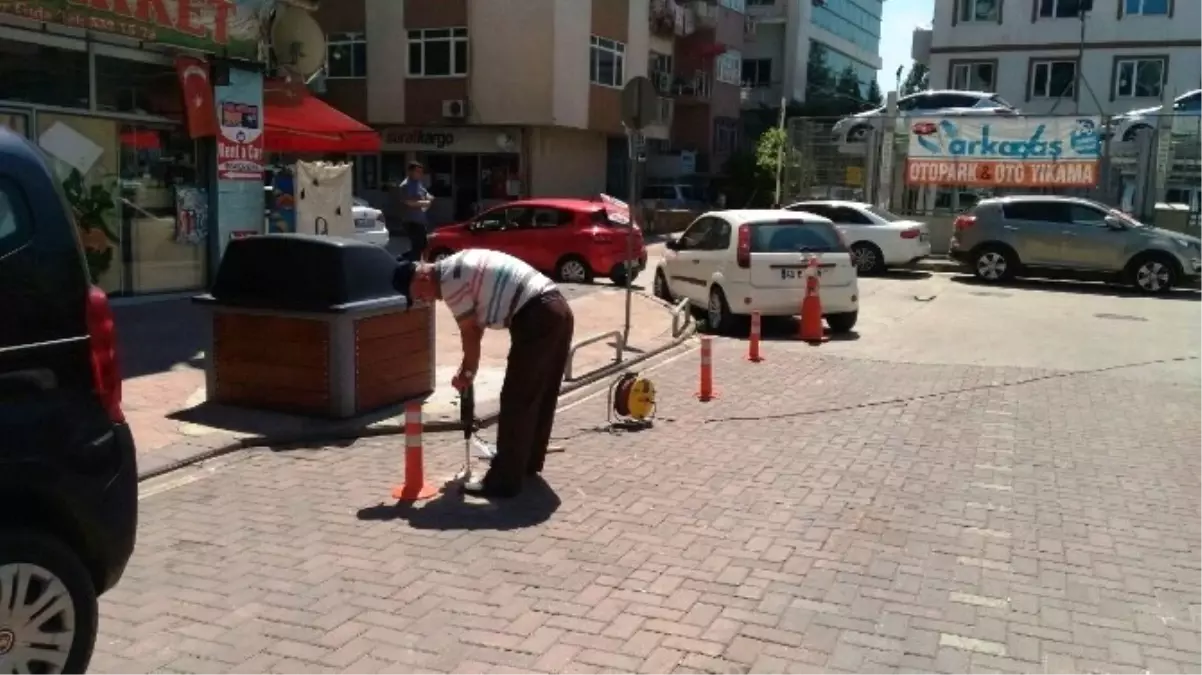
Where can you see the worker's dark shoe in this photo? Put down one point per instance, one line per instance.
(479, 489)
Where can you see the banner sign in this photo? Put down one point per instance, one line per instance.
(240, 196)
(228, 27)
(1004, 152)
(240, 126)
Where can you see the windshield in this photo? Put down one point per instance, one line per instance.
(794, 237)
(884, 214)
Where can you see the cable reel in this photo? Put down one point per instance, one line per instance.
(631, 401)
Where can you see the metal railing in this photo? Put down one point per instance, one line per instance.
(619, 347)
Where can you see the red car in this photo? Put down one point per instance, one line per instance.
(574, 240)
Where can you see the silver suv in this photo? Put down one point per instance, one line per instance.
(1051, 236)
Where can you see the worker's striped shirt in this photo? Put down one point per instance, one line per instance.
(490, 285)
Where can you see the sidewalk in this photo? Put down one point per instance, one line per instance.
(162, 354)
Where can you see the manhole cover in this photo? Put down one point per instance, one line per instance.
(989, 294)
(1120, 317)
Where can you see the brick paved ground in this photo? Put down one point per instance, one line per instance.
(832, 511)
(162, 358)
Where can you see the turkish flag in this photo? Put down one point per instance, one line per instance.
(197, 87)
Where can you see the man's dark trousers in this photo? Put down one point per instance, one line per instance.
(540, 338)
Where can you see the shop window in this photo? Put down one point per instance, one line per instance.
(138, 87)
(164, 210)
(346, 56)
(438, 52)
(32, 73)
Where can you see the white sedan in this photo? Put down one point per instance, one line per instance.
(369, 222)
(876, 238)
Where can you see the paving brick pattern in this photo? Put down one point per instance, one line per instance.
(824, 514)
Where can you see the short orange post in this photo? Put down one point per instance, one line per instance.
(415, 488)
(753, 343)
(705, 389)
(811, 307)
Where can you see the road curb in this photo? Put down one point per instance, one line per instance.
(434, 426)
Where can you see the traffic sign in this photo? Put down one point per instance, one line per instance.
(640, 103)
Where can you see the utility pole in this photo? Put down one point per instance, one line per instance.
(780, 152)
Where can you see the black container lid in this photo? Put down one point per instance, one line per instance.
(302, 272)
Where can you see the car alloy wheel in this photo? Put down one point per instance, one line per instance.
(864, 259)
(661, 287)
(573, 271)
(991, 265)
(1153, 276)
(37, 620)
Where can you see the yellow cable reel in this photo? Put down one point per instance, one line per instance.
(632, 400)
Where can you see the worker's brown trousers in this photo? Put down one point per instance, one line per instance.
(540, 337)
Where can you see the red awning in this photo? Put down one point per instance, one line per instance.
(298, 123)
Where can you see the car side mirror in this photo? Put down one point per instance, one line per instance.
(1115, 224)
(672, 244)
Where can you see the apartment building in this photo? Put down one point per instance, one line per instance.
(788, 37)
(1042, 57)
(507, 98)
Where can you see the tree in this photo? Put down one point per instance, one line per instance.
(818, 74)
(874, 94)
(848, 84)
(918, 79)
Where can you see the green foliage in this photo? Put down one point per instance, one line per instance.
(918, 79)
(93, 207)
(874, 94)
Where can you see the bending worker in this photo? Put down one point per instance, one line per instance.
(488, 289)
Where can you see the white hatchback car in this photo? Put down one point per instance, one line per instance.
(877, 239)
(369, 222)
(941, 103)
(731, 263)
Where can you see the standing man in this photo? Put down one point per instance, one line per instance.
(408, 203)
(488, 289)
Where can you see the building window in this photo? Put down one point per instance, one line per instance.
(607, 62)
(739, 6)
(977, 10)
(346, 55)
(726, 136)
(757, 72)
(975, 76)
(1146, 7)
(1139, 78)
(760, 3)
(438, 52)
(1062, 9)
(39, 74)
(1053, 79)
(728, 67)
(857, 22)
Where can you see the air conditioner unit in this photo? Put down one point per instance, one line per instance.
(454, 108)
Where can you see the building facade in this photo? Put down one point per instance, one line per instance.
(1041, 56)
(512, 98)
(798, 48)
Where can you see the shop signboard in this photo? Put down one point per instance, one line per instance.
(483, 140)
(1004, 152)
(240, 197)
(228, 27)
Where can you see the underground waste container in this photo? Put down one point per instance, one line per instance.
(312, 325)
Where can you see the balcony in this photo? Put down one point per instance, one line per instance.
(661, 128)
(704, 13)
(692, 90)
(668, 18)
(755, 97)
(774, 12)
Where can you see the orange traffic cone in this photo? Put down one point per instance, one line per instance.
(811, 307)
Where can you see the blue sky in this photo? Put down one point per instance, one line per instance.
(898, 21)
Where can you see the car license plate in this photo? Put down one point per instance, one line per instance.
(787, 273)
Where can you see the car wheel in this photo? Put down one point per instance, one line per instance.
(994, 264)
(843, 322)
(573, 270)
(717, 313)
(440, 254)
(1152, 274)
(660, 288)
(47, 606)
(867, 258)
(858, 134)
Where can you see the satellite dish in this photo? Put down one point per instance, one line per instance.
(297, 42)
